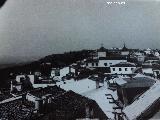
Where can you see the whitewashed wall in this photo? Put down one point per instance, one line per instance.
(156, 72)
(18, 77)
(90, 65)
(32, 78)
(73, 70)
(31, 98)
(101, 54)
(123, 71)
(147, 70)
(124, 52)
(141, 58)
(19, 87)
(109, 62)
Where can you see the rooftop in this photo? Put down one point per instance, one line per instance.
(143, 103)
(16, 110)
(80, 86)
(53, 90)
(141, 81)
(125, 48)
(88, 89)
(101, 49)
(113, 58)
(99, 95)
(72, 105)
(91, 61)
(124, 64)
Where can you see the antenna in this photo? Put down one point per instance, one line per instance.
(101, 44)
(124, 44)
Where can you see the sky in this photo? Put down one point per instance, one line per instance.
(31, 29)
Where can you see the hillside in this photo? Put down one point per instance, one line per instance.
(55, 60)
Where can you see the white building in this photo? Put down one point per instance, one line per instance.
(123, 68)
(151, 70)
(125, 51)
(31, 78)
(21, 81)
(102, 52)
(139, 55)
(55, 72)
(151, 62)
(148, 51)
(140, 58)
(104, 61)
(147, 70)
(92, 63)
(20, 77)
(108, 61)
(156, 53)
(156, 72)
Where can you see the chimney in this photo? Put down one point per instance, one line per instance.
(69, 69)
(39, 105)
(49, 99)
(24, 97)
(97, 84)
(11, 89)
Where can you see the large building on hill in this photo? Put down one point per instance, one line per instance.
(102, 52)
(125, 51)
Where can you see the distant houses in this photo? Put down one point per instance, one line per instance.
(117, 79)
(111, 60)
(123, 68)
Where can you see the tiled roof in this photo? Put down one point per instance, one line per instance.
(53, 90)
(154, 66)
(102, 49)
(113, 58)
(124, 64)
(138, 82)
(74, 104)
(91, 61)
(151, 58)
(16, 110)
(124, 48)
(145, 105)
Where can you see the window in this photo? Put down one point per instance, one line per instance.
(92, 64)
(86, 64)
(125, 69)
(113, 69)
(132, 68)
(105, 64)
(120, 69)
(96, 64)
(110, 63)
